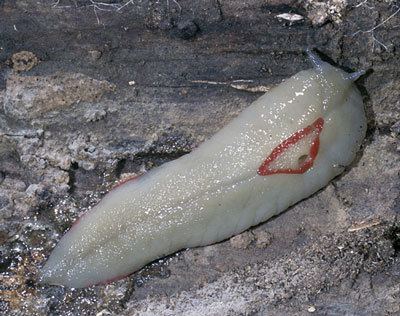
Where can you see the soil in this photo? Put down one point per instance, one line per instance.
(91, 92)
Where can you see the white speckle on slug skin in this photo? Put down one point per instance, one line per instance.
(282, 148)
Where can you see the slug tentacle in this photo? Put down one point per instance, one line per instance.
(317, 62)
(354, 76)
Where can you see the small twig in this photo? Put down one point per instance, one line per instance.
(97, 16)
(363, 4)
(222, 82)
(239, 84)
(56, 5)
(376, 26)
(379, 42)
(364, 224)
(107, 7)
(371, 31)
(102, 6)
(176, 2)
(248, 88)
(124, 5)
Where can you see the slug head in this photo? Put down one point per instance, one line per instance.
(343, 112)
(328, 122)
(335, 83)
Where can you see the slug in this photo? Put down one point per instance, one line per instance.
(285, 146)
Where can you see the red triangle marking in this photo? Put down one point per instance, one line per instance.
(265, 170)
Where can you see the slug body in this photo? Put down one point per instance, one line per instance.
(285, 146)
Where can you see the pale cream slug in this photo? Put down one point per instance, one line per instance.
(285, 146)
